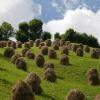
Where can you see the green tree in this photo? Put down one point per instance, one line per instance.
(35, 26)
(46, 35)
(6, 31)
(21, 36)
(57, 35)
(23, 26)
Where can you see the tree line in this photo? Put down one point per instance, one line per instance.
(33, 29)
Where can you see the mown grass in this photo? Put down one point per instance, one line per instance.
(68, 77)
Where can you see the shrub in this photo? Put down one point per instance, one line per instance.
(40, 60)
(22, 91)
(34, 81)
(64, 60)
(52, 54)
(75, 95)
(9, 52)
(21, 64)
(50, 75)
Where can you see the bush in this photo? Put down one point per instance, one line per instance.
(64, 60)
(44, 50)
(40, 60)
(75, 95)
(30, 55)
(15, 57)
(21, 64)
(9, 52)
(80, 52)
(22, 91)
(52, 54)
(50, 75)
(34, 81)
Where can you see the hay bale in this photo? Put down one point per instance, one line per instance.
(24, 51)
(56, 47)
(41, 45)
(64, 50)
(44, 50)
(22, 91)
(97, 97)
(62, 42)
(52, 54)
(81, 45)
(92, 71)
(9, 52)
(31, 43)
(15, 57)
(37, 42)
(64, 60)
(75, 94)
(19, 44)
(48, 65)
(27, 45)
(74, 47)
(48, 42)
(87, 49)
(50, 75)
(13, 45)
(34, 81)
(57, 42)
(9, 43)
(40, 60)
(21, 64)
(93, 76)
(30, 55)
(80, 52)
(2, 44)
(94, 54)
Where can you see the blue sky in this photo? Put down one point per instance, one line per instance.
(57, 15)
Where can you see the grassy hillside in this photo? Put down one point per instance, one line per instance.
(68, 77)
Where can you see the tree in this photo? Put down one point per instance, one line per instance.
(21, 36)
(57, 36)
(46, 35)
(70, 35)
(23, 26)
(6, 31)
(35, 26)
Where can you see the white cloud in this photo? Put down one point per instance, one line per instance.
(81, 20)
(15, 11)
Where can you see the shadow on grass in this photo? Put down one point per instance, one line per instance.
(47, 96)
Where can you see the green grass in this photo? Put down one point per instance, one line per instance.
(68, 77)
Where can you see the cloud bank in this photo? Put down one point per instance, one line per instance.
(15, 11)
(82, 20)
